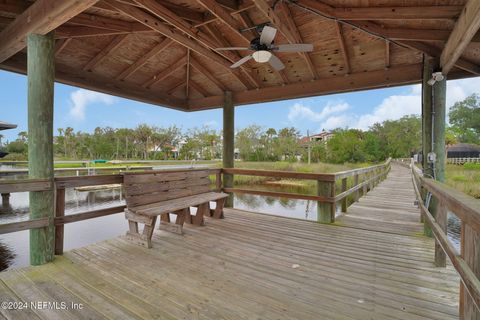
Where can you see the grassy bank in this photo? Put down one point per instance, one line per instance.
(464, 178)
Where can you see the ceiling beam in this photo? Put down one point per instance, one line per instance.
(60, 45)
(91, 81)
(241, 8)
(356, 81)
(165, 72)
(343, 47)
(387, 54)
(144, 59)
(225, 17)
(187, 80)
(465, 28)
(180, 84)
(154, 23)
(287, 14)
(36, 20)
(112, 45)
(434, 52)
(385, 13)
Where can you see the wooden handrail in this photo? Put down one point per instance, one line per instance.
(349, 173)
(327, 177)
(467, 209)
(25, 185)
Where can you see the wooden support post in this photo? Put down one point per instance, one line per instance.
(439, 109)
(5, 200)
(228, 143)
(470, 251)
(218, 181)
(59, 212)
(41, 75)
(326, 210)
(427, 129)
(355, 183)
(344, 200)
(441, 218)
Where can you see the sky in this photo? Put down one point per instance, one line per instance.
(85, 110)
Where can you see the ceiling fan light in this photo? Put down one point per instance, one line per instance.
(262, 56)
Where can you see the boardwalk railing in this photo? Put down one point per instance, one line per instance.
(332, 188)
(434, 212)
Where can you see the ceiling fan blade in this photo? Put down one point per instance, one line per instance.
(241, 61)
(232, 48)
(276, 63)
(268, 34)
(296, 47)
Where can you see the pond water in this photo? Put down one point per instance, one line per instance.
(14, 247)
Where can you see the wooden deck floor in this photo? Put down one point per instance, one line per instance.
(246, 266)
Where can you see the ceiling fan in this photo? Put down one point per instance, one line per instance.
(264, 47)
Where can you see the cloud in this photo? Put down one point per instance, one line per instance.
(396, 106)
(300, 111)
(81, 98)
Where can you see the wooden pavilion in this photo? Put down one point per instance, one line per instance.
(165, 52)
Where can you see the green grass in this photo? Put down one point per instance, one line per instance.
(464, 178)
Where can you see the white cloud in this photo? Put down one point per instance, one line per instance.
(81, 98)
(299, 111)
(396, 106)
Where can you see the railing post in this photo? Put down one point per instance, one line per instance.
(441, 218)
(5, 200)
(218, 181)
(470, 251)
(326, 210)
(344, 200)
(357, 193)
(365, 185)
(59, 212)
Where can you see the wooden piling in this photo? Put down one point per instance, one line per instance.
(228, 143)
(41, 75)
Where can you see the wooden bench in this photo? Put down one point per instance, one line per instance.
(161, 193)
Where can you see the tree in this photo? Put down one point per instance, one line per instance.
(465, 119)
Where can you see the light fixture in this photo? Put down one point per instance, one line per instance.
(262, 56)
(436, 76)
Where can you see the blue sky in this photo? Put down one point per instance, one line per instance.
(84, 110)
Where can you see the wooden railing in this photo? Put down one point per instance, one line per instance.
(59, 185)
(467, 262)
(461, 161)
(347, 182)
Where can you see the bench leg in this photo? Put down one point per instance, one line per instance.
(164, 219)
(188, 216)
(176, 227)
(218, 212)
(203, 209)
(133, 234)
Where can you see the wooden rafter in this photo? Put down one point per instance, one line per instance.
(165, 72)
(465, 28)
(154, 23)
(203, 70)
(187, 80)
(179, 84)
(34, 20)
(385, 13)
(144, 59)
(343, 47)
(387, 54)
(195, 86)
(224, 16)
(115, 43)
(60, 45)
(242, 8)
(356, 81)
(287, 14)
(277, 21)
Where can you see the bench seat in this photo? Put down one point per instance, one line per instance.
(169, 206)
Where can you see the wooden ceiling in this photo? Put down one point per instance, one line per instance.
(163, 51)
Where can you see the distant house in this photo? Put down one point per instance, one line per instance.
(324, 136)
(463, 150)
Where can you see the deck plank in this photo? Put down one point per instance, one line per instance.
(254, 266)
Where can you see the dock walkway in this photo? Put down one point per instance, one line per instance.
(255, 266)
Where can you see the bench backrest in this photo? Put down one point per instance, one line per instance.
(155, 186)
